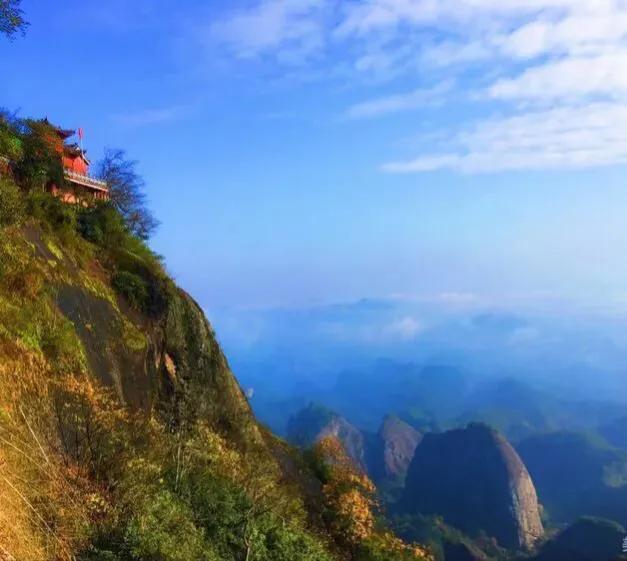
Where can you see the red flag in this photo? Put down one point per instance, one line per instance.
(80, 133)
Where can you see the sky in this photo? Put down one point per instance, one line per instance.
(305, 152)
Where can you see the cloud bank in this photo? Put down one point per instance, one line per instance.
(544, 80)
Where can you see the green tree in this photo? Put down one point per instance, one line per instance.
(10, 141)
(40, 163)
(12, 18)
(126, 188)
(11, 203)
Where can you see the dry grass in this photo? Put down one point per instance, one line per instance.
(42, 506)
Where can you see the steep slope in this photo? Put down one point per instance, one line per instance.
(476, 481)
(562, 462)
(315, 422)
(170, 360)
(384, 456)
(392, 449)
(588, 539)
(124, 435)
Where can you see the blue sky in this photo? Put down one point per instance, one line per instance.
(313, 151)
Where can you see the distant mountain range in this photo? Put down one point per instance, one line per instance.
(453, 487)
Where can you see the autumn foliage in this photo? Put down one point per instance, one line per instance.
(352, 508)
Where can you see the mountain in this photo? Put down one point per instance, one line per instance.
(519, 409)
(315, 422)
(588, 539)
(384, 455)
(577, 474)
(615, 432)
(399, 441)
(476, 481)
(124, 435)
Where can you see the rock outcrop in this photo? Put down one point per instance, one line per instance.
(316, 422)
(477, 482)
(397, 442)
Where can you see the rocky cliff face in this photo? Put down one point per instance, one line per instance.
(399, 442)
(476, 481)
(315, 422)
(385, 456)
(170, 362)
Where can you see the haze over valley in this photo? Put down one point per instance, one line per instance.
(313, 280)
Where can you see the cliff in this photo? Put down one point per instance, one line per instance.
(315, 422)
(476, 481)
(123, 433)
(399, 442)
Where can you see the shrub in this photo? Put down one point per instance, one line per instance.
(163, 530)
(133, 288)
(11, 203)
(140, 277)
(103, 226)
(53, 213)
(97, 554)
(283, 542)
(40, 164)
(10, 143)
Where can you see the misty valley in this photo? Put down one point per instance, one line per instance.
(487, 396)
(313, 280)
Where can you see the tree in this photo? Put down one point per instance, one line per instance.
(10, 141)
(12, 18)
(352, 505)
(39, 163)
(126, 188)
(349, 493)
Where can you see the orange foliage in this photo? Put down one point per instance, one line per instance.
(348, 493)
(350, 496)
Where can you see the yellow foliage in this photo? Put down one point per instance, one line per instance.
(387, 541)
(348, 493)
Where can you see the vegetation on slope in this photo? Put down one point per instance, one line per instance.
(595, 482)
(123, 435)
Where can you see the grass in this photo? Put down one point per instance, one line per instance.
(82, 477)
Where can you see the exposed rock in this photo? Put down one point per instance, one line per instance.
(399, 441)
(171, 362)
(477, 482)
(316, 422)
(385, 456)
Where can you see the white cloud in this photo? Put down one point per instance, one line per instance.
(286, 27)
(556, 69)
(399, 102)
(406, 328)
(580, 34)
(570, 78)
(148, 117)
(564, 137)
(366, 17)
